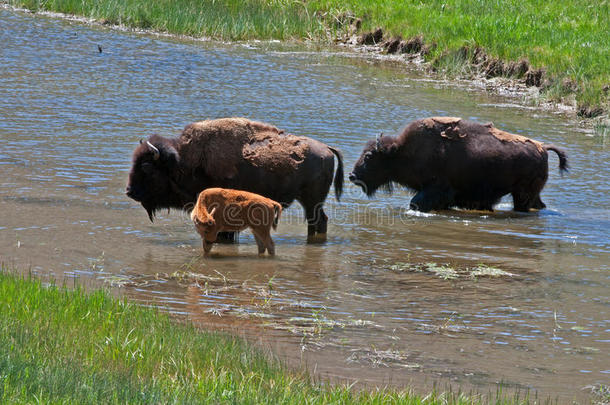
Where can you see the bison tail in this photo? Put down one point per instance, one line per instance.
(338, 182)
(563, 157)
(277, 211)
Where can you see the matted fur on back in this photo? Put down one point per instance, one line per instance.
(221, 145)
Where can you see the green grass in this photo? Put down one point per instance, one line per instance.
(568, 38)
(69, 346)
(222, 19)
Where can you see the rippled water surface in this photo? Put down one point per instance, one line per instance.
(394, 297)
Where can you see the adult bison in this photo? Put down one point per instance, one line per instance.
(451, 162)
(240, 154)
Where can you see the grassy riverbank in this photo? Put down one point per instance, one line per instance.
(568, 40)
(68, 346)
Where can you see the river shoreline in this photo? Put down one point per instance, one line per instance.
(516, 90)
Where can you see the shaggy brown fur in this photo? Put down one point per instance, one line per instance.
(224, 143)
(221, 210)
(240, 154)
(452, 162)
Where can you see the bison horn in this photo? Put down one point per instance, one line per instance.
(213, 211)
(378, 145)
(154, 149)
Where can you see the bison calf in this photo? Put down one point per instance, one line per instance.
(220, 210)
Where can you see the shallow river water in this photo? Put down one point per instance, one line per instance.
(459, 299)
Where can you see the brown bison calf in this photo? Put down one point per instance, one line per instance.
(221, 210)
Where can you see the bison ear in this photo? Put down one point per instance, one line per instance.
(163, 150)
(166, 154)
(170, 155)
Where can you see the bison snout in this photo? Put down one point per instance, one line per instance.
(352, 177)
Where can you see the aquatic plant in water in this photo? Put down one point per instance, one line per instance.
(447, 272)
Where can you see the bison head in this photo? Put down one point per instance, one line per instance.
(150, 182)
(204, 222)
(374, 167)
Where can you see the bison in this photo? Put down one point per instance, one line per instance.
(220, 210)
(240, 154)
(451, 162)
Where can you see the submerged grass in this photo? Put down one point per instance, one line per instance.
(448, 272)
(568, 39)
(69, 346)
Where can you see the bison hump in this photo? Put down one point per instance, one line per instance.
(215, 145)
(221, 145)
(432, 121)
(447, 127)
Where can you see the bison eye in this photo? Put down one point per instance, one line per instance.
(368, 156)
(147, 168)
(210, 223)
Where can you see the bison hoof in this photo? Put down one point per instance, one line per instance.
(420, 207)
(316, 238)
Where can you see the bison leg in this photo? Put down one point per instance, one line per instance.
(526, 195)
(432, 197)
(264, 241)
(226, 237)
(270, 245)
(538, 204)
(523, 201)
(311, 231)
(322, 223)
(316, 223)
(259, 242)
(521, 205)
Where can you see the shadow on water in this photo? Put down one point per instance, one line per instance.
(393, 297)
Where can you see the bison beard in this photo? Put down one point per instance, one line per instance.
(450, 162)
(240, 154)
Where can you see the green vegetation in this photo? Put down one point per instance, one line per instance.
(448, 272)
(567, 39)
(222, 19)
(68, 346)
